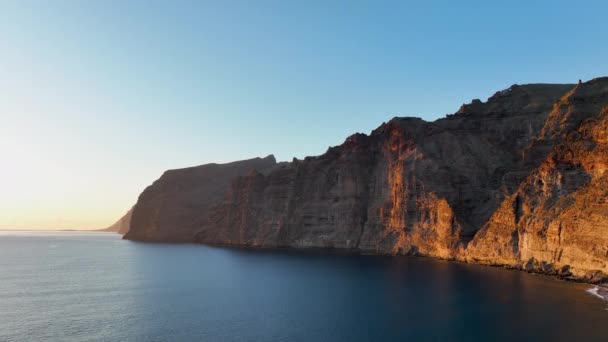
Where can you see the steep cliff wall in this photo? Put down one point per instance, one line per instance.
(557, 219)
(409, 187)
(517, 181)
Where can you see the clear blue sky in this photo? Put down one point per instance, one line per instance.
(97, 98)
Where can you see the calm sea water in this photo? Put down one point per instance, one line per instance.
(97, 287)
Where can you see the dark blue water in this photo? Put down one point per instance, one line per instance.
(96, 287)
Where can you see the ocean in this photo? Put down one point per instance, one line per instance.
(72, 286)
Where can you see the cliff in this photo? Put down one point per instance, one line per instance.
(175, 206)
(122, 225)
(517, 181)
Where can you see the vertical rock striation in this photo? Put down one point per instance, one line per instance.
(557, 220)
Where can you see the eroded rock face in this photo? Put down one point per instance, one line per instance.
(518, 181)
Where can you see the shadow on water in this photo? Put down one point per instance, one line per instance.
(304, 295)
(98, 287)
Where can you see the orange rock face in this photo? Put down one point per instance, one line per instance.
(519, 181)
(557, 220)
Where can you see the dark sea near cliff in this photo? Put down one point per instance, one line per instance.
(69, 286)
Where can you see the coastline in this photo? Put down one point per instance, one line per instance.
(602, 286)
(360, 285)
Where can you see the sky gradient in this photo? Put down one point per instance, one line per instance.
(98, 98)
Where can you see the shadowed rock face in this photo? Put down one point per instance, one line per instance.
(518, 181)
(175, 206)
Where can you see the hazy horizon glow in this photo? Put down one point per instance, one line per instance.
(98, 98)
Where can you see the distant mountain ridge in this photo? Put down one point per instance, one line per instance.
(122, 225)
(517, 181)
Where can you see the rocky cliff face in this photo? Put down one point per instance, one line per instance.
(518, 181)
